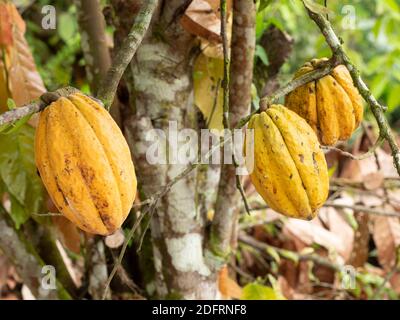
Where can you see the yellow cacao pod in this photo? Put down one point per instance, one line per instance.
(331, 105)
(289, 168)
(85, 164)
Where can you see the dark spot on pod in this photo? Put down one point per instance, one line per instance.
(301, 156)
(310, 217)
(310, 90)
(274, 190)
(276, 117)
(291, 176)
(87, 174)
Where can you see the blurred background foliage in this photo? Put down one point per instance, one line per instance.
(369, 30)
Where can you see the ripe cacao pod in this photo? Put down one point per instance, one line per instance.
(331, 105)
(290, 171)
(85, 164)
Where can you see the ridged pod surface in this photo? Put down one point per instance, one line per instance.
(290, 171)
(331, 105)
(85, 164)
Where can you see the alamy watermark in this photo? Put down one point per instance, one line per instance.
(185, 146)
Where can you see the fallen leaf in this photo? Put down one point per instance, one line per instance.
(338, 226)
(359, 255)
(68, 233)
(227, 286)
(310, 233)
(373, 180)
(386, 234)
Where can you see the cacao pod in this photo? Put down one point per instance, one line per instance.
(331, 105)
(290, 171)
(85, 164)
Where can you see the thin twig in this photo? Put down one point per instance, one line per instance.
(357, 208)
(283, 253)
(388, 277)
(365, 155)
(122, 253)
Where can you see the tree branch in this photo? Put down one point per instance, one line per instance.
(109, 85)
(377, 109)
(237, 98)
(93, 38)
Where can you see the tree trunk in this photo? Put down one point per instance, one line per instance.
(162, 74)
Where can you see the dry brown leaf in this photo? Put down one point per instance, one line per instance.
(310, 233)
(68, 233)
(23, 81)
(395, 282)
(359, 255)
(227, 286)
(201, 20)
(386, 234)
(373, 180)
(6, 38)
(338, 225)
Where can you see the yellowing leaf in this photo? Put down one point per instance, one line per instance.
(4, 91)
(208, 93)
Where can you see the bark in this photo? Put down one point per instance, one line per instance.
(241, 75)
(163, 87)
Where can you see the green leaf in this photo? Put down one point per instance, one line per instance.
(273, 253)
(18, 173)
(260, 53)
(263, 4)
(67, 27)
(255, 291)
(18, 213)
(11, 104)
(379, 84)
(315, 7)
(290, 255)
(393, 101)
(393, 5)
